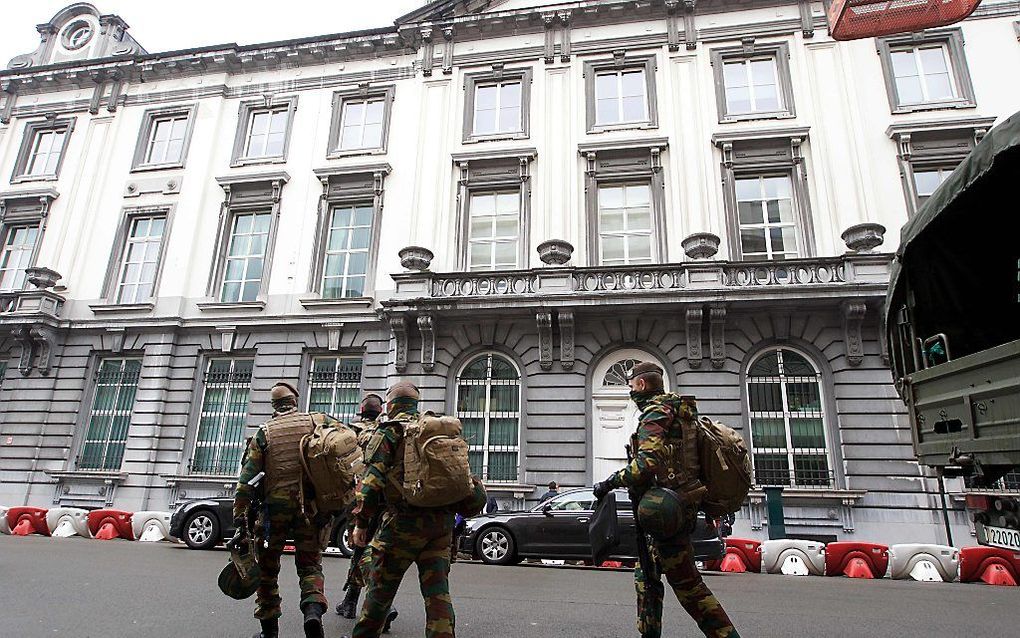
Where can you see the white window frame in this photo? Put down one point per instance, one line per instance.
(746, 64)
(345, 276)
(492, 240)
(25, 164)
(766, 225)
(956, 62)
(789, 451)
(129, 241)
(247, 112)
(626, 234)
(923, 75)
(25, 251)
(618, 74)
(486, 415)
(247, 257)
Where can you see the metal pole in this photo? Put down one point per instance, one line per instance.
(774, 507)
(945, 510)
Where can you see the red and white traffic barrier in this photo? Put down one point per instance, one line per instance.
(742, 555)
(151, 526)
(793, 557)
(109, 524)
(68, 521)
(27, 520)
(856, 559)
(924, 562)
(4, 527)
(989, 564)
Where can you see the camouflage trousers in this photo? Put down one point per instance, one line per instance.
(284, 524)
(675, 558)
(404, 539)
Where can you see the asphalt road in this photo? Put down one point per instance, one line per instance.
(92, 589)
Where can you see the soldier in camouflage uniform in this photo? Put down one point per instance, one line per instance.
(656, 442)
(368, 412)
(407, 534)
(275, 449)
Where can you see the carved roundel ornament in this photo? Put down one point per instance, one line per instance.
(76, 35)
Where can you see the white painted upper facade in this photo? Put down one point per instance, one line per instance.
(847, 129)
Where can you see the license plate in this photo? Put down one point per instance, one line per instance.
(1002, 537)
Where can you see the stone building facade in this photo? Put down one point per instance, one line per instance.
(507, 202)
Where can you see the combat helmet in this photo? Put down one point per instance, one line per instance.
(240, 576)
(663, 513)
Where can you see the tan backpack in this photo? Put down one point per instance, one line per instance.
(436, 468)
(331, 458)
(725, 467)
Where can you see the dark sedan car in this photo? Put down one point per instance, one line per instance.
(208, 522)
(558, 529)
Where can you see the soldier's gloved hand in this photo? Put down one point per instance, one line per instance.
(359, 537)
(601, 488)
(240, 532)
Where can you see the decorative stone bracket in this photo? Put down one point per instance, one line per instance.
(398, 325)
(717, 335)
(544, 320)
(426, 326)
(333, 333)
(694, 350)
(37, 342)
(566, 321)
(853, 319)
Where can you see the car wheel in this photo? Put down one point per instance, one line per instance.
(342, 540)
(202, 530)
(496, 546)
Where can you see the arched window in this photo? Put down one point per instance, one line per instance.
(489, 406)
(788, 439)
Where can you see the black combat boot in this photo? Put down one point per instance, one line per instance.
(270, 629)
(390, 616)
(349, 607)
(313, 620)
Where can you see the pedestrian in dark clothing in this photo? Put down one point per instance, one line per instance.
(491, 505)
(554, 490)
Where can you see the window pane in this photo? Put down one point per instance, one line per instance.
(807, 433)
(504, 398)
(471, 398)
(734, 75)
(752, 240)
(607, 111)
(606, 86)
(639, 248)
(612, 249)
(738, 100)
(765, 397)
(768, 433)
(771, 469)
(811, 470)
(634, 109)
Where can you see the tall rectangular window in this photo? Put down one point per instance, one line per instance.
(498, 108)
(245, 259)
(925, 71)
(334, 386)
(140, 259)
(18, 248)
(267, 132)
(765, 212)
(621, 97)
(219, 443)
(361, 124)
(347, 248)
(494, 230)
(751, 86)
(44, 158)
(166, 139)
(927, 180)
(489, 406)
(110, 415)
(625, 224)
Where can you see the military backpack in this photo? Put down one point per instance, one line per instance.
(332, 459)
(725, 467)
(436, 469)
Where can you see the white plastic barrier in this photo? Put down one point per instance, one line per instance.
(151, 526)
(4, 527)
(923, 562)
(68, 521)
(793, 557)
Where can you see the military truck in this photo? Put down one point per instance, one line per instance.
(953, 330)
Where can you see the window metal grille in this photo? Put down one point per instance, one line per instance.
(765, 212)
(498, 108)
(489, 406)
(361, 124)
(494, 230)
(625, 224)
(334, 386)
(246, 257)
(788, 439)
(752, 86)
(220, 440)
(621, 97)
(110, 416)
(19, 245)
(347, 248)
(141, 256)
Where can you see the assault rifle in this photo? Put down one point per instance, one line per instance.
(256, 506)
(653, 578)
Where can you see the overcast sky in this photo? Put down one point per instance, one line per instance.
(166, 25)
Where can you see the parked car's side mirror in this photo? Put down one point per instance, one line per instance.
(547, 509)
